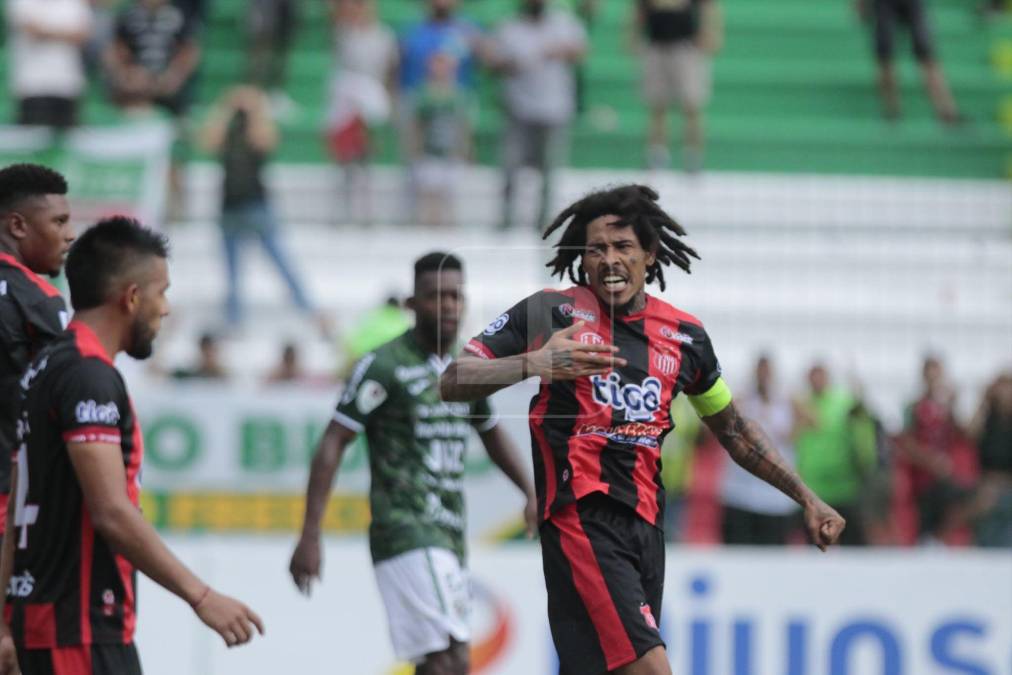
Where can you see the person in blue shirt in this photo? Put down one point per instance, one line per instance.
(441, 32)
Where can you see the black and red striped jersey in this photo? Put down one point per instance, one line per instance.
(68, 587)
(604, 433)
(32, 313)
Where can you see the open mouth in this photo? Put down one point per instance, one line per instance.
(614, 283)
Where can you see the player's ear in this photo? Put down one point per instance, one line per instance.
(131, 298)
(410, 303)
(16, 225)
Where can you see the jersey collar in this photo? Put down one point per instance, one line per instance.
(46, 287)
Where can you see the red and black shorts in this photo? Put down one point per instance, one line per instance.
(109, 659)
(604, 571)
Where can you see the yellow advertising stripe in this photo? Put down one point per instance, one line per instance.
(244, 512)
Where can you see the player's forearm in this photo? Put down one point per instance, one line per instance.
(752, 449)
(471, 378)
(127, 533)
(321, 477)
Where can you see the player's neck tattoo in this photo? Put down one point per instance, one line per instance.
(637, 304)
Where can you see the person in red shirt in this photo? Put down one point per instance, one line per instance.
(78, 535)
(35, 235)
(611, 358)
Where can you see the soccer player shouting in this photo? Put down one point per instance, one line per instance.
(611, 358)
(35, 235)
(79, 535)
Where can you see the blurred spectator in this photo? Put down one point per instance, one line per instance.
(443, 119)
(827, 458)
(756, 513)
(441, 32)
(885, 15)
(289, 369)
(937, 457)
(536, 52)
(681, 36)
(873, 451)
(243, 135)
(992, 429)
(150, 64)
(152, 57)
(195, 10)
(361, 90)
(272, 24)
(103, 14)
(208, 365)
(47, 69)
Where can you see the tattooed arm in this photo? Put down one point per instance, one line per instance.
(752, 449)
(562, 358)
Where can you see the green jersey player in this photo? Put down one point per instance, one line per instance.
(416, 459)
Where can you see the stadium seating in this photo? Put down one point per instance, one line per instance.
(794, 91)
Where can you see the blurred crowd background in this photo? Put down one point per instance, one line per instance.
(351, 128)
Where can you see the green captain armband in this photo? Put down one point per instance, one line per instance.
(713, 401)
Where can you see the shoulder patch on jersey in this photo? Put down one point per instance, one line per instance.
(371, 395)
(496, 325)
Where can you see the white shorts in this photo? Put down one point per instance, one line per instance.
(427, 595)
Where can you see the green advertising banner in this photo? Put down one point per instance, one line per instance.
(111, 170)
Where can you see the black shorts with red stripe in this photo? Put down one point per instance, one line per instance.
(111, 659)
(604, 571)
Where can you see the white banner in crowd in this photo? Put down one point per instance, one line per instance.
(726, 612)
(121, 170)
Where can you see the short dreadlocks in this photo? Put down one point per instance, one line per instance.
(635, 205)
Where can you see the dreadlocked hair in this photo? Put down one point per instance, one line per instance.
(636, 206)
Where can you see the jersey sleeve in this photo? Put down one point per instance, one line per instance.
(367, 389)
(90, 402)
(708, 393)
(483, 416)
(516, 331)
(48, 318)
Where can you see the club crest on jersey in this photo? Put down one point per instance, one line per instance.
(497, 325)
(591, 339)
(568, 310)
(638, 401)
(667, 362)
(670, 334)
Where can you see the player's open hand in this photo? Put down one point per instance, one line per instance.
(824, 524)
(306, 563)
(8, 654)
(229, 618)
(565, 358)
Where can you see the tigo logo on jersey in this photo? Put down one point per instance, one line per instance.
(90, 412)
(568, 310)
(639, 401)
(670, 334)
(497, 325)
